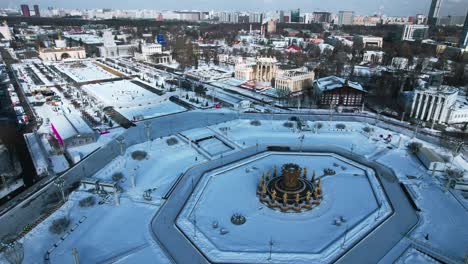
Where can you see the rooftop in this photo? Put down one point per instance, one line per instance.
(333, 82)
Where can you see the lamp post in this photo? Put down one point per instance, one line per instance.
(76, 259)
(148, 130)
(270, 243)
(60, 183)
(121, 141)
(301, 139)
(331, 110)
(418, 123)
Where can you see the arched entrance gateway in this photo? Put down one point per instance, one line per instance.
(65, 56)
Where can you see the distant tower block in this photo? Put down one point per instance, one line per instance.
(434, 11)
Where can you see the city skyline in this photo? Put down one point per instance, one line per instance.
(366, 7)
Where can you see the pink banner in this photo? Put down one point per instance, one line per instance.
(57, 135)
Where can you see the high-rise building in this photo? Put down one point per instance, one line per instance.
(271, 26)
(434, 12)
(450, 20)
(322, 17)
(415, 32)
(36, 11)
(464, 35)
(243, 19)
(25, 11)
(281, 16)
(255, 18)
(229, 17)
(296, 16)
(345, 18)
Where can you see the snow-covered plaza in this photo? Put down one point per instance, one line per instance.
(176, 194)
(84, 71)
(131, 99)
(354, 203)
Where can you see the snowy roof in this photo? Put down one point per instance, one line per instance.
(333, 82)
(370, 52)
(70, 125)
(324, 46)
(86, 38)
(84, 71)
(443, 89)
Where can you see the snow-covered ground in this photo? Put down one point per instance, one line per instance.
(271, 132)
(77, 153)
(414, 256)
(151, 110)
(120, 234)
(353, 193)
(107, 232)
(84, 71)
(123, 93)
(131, 100)
(158, 171)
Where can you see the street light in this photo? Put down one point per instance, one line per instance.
(76, 260)
(331, 112)
(270, 243)
(120, 140)
(60, 183)
(148, 130)
(418, 123)
(301, 139)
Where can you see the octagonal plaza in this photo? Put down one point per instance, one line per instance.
(354, 196)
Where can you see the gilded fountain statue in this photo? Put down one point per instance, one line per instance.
(291, 190)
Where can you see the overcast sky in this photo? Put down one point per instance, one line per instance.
(390, 7)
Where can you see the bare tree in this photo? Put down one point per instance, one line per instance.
(13, 250)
